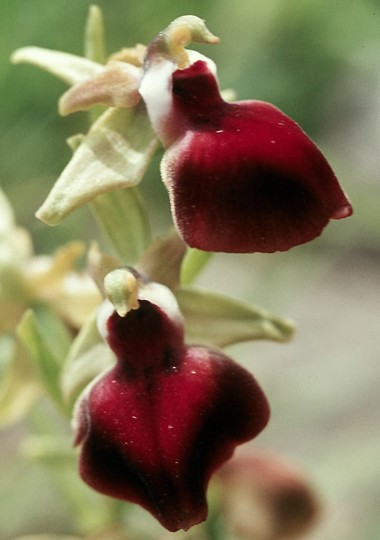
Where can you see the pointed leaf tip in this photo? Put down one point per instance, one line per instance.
(217, 320)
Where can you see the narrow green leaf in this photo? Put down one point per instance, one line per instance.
(19, 387)
(193, 263)
(122, 217)
(94, 42)
(44, 340)
(115, 154)
(70, 68)
(54, 330)
(217, 320)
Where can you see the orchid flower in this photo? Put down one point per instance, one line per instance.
(242, 177)
(154, 427)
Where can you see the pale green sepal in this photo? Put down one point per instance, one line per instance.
(122, 217)
(70, 68)
(115, 154)
(193, 263)
(19, 388)
(162, 260)
(94, 42)
(44, 340)
(88, 357)
(217, 320)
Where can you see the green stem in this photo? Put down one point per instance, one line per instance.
(122, 217)
(193, 263)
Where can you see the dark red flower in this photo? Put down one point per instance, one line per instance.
(242, 177)
(154, 428)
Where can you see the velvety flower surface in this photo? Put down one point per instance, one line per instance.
(242, 177)
(155, 427)
(264, 497)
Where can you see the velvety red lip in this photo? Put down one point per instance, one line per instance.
(243, 177)
(154, 428)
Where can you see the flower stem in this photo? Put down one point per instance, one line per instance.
(193, 263)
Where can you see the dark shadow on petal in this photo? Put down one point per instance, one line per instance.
(261, 210)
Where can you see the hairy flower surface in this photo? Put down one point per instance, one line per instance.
(242, 177)
(155, 427)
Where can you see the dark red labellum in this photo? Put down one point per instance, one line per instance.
(154, 428)
(244, 177)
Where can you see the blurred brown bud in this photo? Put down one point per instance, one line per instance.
(265, 498)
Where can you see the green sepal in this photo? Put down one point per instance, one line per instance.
(70, 68)
(47, 341)
(114, 154)
(87, 358)
(94, 41)
(19, 388)
(217, 320)
(123, 218)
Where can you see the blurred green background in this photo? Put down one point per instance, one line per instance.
(319, 61)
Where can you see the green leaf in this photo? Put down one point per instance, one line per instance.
(115, 154)
(193, 263)
(55, 331)
(88, 357)
(19, 387)
(70, 68)
(217, 320)
(46, 339)
(94, 47)
(122, 217)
